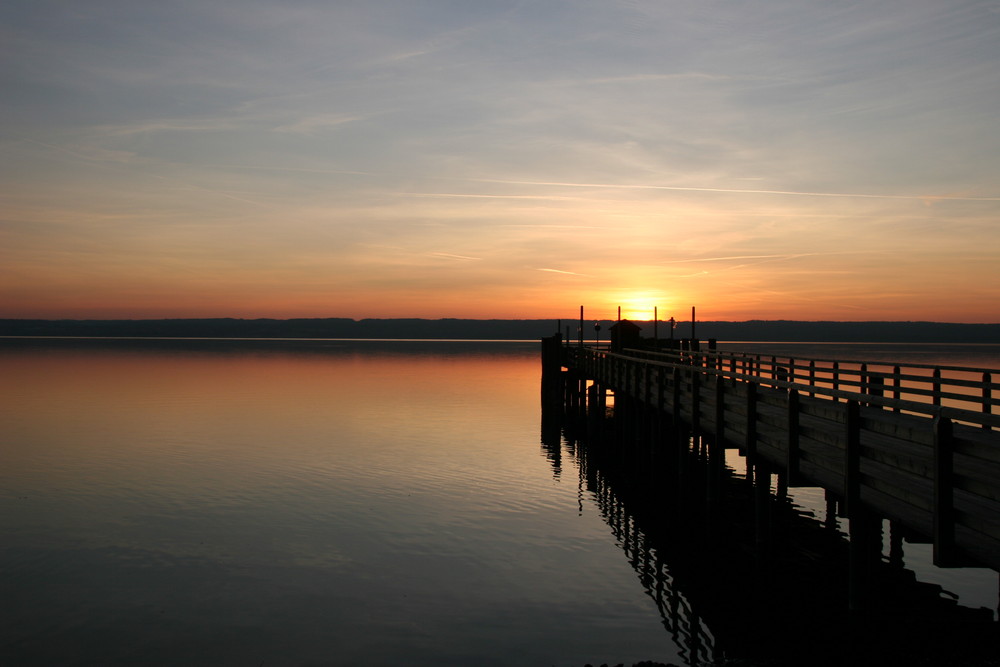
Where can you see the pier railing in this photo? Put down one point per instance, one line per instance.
(960, 393)
(918, 444)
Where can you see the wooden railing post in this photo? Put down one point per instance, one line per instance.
(944, 503)
(876, 386)
(717, 455)
(695, 402)
(661, 384)
(852, 458)
(792, 461)
(897, 385)
(720, 409)
(936, 386)
(750, 444)
(647, 390)
(987, 397)
(675, 400)
(594, 402)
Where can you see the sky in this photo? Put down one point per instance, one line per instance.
(758, 159)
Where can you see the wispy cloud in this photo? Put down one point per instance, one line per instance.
(744, 153)
(85, 151)
(740, 257)
(202, 125)
(310, 124)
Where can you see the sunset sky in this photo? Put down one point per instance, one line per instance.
(758, 159)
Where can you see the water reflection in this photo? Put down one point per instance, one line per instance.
(727, 590)
(325, 503)
(199, 503)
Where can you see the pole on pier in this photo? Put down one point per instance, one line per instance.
(580, 330)
(693, 336)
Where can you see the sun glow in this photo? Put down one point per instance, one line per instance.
(644, 306)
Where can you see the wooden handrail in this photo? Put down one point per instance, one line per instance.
(816, 380)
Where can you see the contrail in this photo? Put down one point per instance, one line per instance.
(568, 273)
(721, 259)
(448, 255)
(790, 255)
(686, 188)
(458, 195)
(292, 169)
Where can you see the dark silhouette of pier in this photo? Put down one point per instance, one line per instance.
(736, 569)
(917, 444)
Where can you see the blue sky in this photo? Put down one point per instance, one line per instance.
(779, 159)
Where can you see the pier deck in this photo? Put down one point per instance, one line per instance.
(917, 444)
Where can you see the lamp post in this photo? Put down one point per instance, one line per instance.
(597, 335)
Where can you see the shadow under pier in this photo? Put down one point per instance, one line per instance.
(736, 569)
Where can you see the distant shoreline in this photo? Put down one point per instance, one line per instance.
(499, 330)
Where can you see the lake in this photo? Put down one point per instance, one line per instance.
(314, 503)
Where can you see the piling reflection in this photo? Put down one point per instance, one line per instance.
(739, 570)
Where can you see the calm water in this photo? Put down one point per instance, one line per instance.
(327, 503)
(363, 504)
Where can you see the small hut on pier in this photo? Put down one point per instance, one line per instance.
(625, 334)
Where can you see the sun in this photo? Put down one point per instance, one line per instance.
(644, 305)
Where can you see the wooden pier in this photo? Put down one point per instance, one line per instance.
(919, 445)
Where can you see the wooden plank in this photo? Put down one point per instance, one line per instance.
(914, 519)
(831, 480)
(982, 549)
(911, 489)
(820, 455)
(821, 430)
(897, 425)
(978, 515)
(976, 443)
(907, 456)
